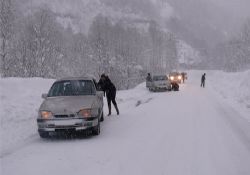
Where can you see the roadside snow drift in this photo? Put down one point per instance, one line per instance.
(233, 87)
(20, 99)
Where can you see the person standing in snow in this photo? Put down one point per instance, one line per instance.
(101, 84)
(183, 77)
(149, 78)
(203, 79)
(109, 88)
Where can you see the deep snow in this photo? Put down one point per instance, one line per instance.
(20, 99)
(193, 131)
(234, 88)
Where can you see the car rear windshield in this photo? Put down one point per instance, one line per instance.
(72, 88)
(160, 78)
(174, 74)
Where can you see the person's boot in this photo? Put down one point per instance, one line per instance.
(117, 110)
(109, 106)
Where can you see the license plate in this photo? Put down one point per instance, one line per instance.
(65, 122)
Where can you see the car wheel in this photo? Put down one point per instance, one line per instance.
(44, 134)
(97, 129)
(102, 117)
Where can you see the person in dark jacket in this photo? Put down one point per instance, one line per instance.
(101, 83)
(203, 79)
(149, 78)
(183, 77)
(110, 90)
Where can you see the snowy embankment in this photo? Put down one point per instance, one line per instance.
(20, 99)
(233, 87)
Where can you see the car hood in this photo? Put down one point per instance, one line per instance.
(67, 105)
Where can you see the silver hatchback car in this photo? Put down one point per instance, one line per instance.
(158, 83)
(72, 104)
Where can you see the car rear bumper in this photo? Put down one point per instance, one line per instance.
(163, 87)
(53, 125)
(176, 81)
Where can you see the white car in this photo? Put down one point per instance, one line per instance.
(159, 83)
(72, 104)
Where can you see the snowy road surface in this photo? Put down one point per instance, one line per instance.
(191, 132)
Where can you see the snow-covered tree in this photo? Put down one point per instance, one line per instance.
(6, 32)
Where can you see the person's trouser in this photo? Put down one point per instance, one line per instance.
(203, 84)
(111, 98)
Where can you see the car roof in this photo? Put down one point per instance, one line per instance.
(159, 75)
(74, 78)
(174, 73)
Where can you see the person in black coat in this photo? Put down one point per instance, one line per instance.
(101, 84)
(110, 90)
(203, 79)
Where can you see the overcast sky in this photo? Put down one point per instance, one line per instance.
(239, 8)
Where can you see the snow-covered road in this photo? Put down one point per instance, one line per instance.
(190, 132)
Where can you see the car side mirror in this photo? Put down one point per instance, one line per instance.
(44, 96)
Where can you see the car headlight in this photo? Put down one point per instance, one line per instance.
(179, 77)
(171, 78)
(85, 113)
(46, 114)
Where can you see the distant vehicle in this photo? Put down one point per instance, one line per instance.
(159, 83)
(72, 104)
(175, 77)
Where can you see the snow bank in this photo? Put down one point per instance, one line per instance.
(20, 99)
(233, 87)
(134, 97)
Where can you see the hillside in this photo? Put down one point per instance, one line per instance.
(80, 13)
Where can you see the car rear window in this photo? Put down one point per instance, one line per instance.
(72, 88)
(160, 78)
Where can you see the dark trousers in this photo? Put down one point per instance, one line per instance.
(111, 98)
(203, 84)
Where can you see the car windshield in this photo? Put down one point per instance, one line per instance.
(174, 74)
(72, 88)
(160, 78)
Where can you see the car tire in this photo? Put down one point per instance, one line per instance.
(102, 117)
(97, 129)
(44, 134)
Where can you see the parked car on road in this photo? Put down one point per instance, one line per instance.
(72, 104)
(175, 77)
(159, 83)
